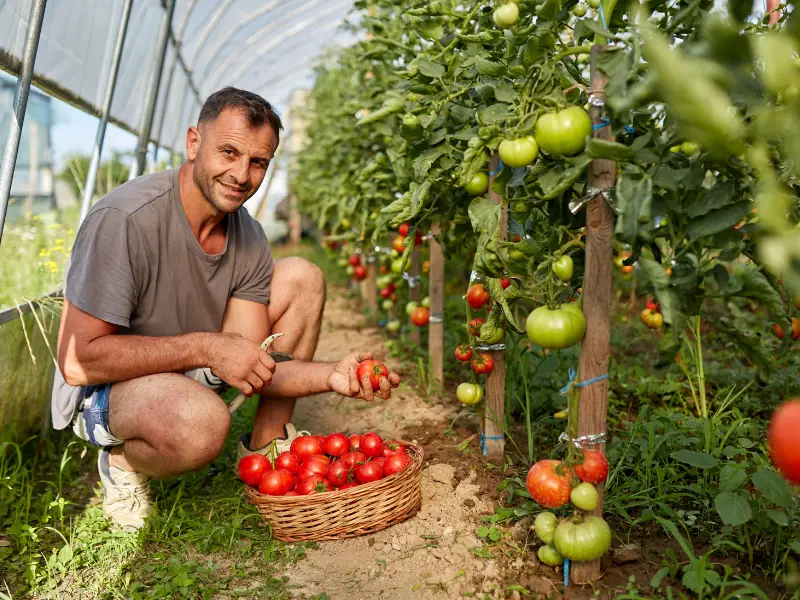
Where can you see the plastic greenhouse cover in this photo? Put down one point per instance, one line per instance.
(265, 46)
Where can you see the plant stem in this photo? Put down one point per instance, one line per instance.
(571, 51)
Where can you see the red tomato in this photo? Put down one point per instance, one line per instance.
(353, 459)
(348, 485)
(338, 473)
(396, 463)
(548, 487)
(464, 352)
(474, 326)
(477, 296)
(399, 244)
(393, 298)
(784, 451)
(291, 493)
(505, 282)
(393, 447)
(652, 305)
(420, 316)
(403, 229)
(371, 471)
(417, 239)
(315, 484)
(288, 461)
(313, 465)
(337, 444)
(355, 440)
(354, 260)
(276, 482)
(252, 468)
(482, 364)
(381, 460)
(359, 273)
(385, 293)
(371, 444)
(374, 369)
(594, 468)
(305, 445)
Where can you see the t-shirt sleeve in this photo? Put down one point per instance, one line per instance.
(256, 279)
(101, 277)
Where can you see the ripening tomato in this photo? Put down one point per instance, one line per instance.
(652, 304)
(399, 244)
(355, 439)
(651, 318)
(374, 370)
(426, 267)
(371, 444)
(288, 461)
(478, 184)
(337, 444)
(396, 463)
(556, 329)
(584, 541)
(564, 132)
(563, 268)
(474, 326)
(252, 468)
(417, 238)
(354, 260)
(393, 447)
(594, 468)
(464, 352)
(784, 451)
(353, 459)
(548, 483)
(305, 445)
(276, 482)
(505, 282)
(482, 364)
(403, 229)
(477, 296)
(370, 471)
(338, 473)
(420, 316)
(316, 484)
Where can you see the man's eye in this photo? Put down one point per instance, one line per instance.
(228, 152)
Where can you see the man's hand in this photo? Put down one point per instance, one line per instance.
(343, 379)
(239, 361)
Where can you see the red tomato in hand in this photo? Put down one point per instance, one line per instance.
(288, 461)
(252, 468)
(784, 451)
(403, 229)
(353, 459)
(373, 369)
(420, 316)
(355, 440)
(548, 487)
(475, 325)
(337, 444)
(594, 468)
(393, 447)
(464, 352)
(482, 364)
(477, 296)
(276, 482)
(396, 463)
(354, 260)
(315, 484)
(371, 444)
(338, 473)
(505, 282)
(371, 471)
(305, 446)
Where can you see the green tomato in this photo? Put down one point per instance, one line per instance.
(518, 153)
(469, 393)
(550, 556)
(690, 147)
(373, 215)
(393, 325)
(584, 59)
(387, 305)
(426, 302)
(595, 4)
(584, 541)
(506, 15)
(491, 335)
(410, 307)
(675, 149)
(395, 254)
(545, 526)
(350, 270)
(556, 329)
(478, 184)
(579, 10)
(517, 255)
(342, 262)
(563, 268)
(564, 132)
(384, 280)
(397, 265)
(345, 223)
(584, 496)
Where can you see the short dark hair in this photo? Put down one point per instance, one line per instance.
(258, 111)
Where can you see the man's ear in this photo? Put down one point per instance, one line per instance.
(193, 139)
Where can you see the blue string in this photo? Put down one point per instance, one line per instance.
(603, 16)
(629, 129)
(571, 381)
(566, 572)
(499, 168)
(488, 437)
(604, 123)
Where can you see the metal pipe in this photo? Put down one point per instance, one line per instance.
(140, 154)
(94, 165)
(20, 105)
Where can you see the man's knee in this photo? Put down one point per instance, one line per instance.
(304, 278)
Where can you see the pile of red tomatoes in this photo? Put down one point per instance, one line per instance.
(319, 463)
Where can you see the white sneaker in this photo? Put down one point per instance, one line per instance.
(126, 494)
(273, 448)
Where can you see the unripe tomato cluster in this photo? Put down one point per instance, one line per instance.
(651, 315)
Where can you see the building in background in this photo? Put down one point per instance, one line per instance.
(33, 183)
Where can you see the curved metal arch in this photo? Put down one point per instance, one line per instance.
(185, 21)
(288, 34)
(208, 29)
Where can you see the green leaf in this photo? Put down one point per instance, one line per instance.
(778, 516)
(660, 574)
(634, 196)
(733, 508)
(657, 276)
(701, 460)
(718, 220)
(423, 162)
(731, 478)
(487, 115)
(430, 68)
(748, 342)
(418, 195)
(488, 68)
(717, 197)
(749, 282)
(475, 158)
(482, 531)
(485, 216)
(597, 148)
(498, 295)
(505, 93)
(773, 487)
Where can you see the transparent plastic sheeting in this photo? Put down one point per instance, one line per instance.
(266, 46)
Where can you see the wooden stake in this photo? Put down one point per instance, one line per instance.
(372, 290)
(495, 405)
(413, 293)
(596, 300)
(436, 331)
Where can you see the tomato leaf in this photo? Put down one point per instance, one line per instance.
(773, 487)
(392, 104)
(701, 460)
(489, 68)
(717, 197)
(423, 162)
(733, 508)
(658, 278)
(718, 220)
(748, 342)
(634, 195)
(555, 182)
(597, 148)
(430, 68)
(497, 293)
(475, 158)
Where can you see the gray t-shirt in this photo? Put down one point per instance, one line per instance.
(137, 264)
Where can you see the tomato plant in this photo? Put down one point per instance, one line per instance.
(252, 468)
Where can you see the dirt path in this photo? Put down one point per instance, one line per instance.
(428, 556)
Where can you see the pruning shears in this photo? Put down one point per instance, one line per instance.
(276, 355)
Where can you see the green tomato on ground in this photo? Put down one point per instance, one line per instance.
(550, 556)
(469, 393)
(518, 153)
(478, 184)
(563, 268)
(545, 526)
(564, 132)
(584, 496)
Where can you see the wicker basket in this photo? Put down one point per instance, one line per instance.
(346, 513)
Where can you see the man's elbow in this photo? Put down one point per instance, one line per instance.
(72, 371)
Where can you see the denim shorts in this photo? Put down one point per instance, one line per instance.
(90, 422)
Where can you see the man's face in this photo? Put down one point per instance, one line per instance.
(230, 158)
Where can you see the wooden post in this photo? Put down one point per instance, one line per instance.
(596, 298)
(372, 289)
(436, 326)
(413, 293)
(495, 405)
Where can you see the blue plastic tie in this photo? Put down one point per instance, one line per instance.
(489, 437)
(604, 123)
(566, 572)
(572, 373)
(499, 168)
(603, 16)
(629, 129)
